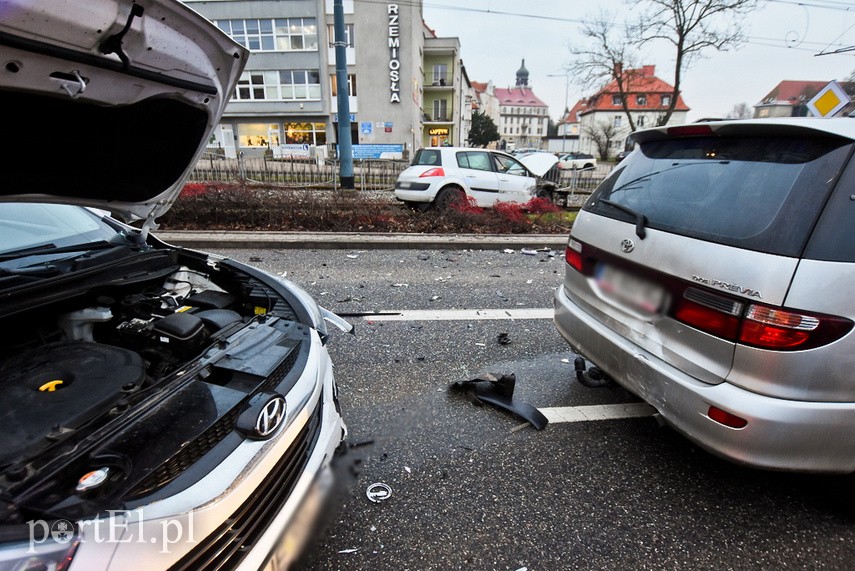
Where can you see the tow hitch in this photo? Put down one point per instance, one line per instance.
(592, 378)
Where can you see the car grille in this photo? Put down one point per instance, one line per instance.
(212, 436)
(226, 547)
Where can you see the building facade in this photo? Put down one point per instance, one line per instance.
(603, 124)
(523, 118)
(286, 100)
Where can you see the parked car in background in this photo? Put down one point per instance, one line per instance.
(708, 275)
(440, 176)
(162, 408)
(575, 161)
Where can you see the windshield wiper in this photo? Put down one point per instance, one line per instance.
(48, 249)
(43, 270)
(640, 219)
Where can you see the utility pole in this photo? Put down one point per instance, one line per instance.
(566, 76)
(345, 144)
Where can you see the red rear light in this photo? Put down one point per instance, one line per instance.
(689, 130)
(708, 319)
(772, 328)
(437, 171)
(725, 418)
(759, 325)
(573, 254)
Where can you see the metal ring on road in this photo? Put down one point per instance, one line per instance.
(378, 492)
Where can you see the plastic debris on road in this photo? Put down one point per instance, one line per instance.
(498, 390)
(378, 492)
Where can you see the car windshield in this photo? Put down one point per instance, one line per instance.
(760, 193)
(28, 228)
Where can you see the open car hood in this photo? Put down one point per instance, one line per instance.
(539, 163)
(108, 103)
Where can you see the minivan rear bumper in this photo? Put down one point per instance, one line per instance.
(780, 434)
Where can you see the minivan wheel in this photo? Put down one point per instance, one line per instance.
(448, 196)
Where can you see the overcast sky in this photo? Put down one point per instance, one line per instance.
(784, 36)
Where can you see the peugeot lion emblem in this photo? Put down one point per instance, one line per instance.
(270, 417)
(627, 246)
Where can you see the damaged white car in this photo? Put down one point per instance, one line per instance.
(161, 408)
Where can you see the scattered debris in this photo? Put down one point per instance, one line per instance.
(285, 275)
(362, 443)
(499, 391)
(565, 361)
(408, 469)
(378, 492)
(434, 298)
(529, 281)
(255, 259)
(424, 257)
(508, 251)
(480, 344)
(400, 285)
(528, 252)
(502, 296)
(353, 256)
(503, 339)
(351, 550)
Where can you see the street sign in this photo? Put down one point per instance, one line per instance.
(828, 101)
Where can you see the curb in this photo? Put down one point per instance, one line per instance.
(357, 240)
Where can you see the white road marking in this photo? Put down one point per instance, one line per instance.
(597, 412)
(461, 314)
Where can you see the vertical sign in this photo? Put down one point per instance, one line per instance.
(394, 54)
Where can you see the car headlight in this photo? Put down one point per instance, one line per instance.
(49, 548)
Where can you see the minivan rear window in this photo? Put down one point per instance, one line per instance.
(758, 193)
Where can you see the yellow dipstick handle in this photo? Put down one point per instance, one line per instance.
(50, 386)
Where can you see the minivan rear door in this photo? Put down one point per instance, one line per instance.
(694, 227)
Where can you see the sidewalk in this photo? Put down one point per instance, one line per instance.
(207, 240)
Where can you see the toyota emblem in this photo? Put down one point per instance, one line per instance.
(270, 417)
(627, 246)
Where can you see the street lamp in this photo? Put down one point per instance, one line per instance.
(566, 76)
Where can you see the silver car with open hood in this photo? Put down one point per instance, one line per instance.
(162, 408)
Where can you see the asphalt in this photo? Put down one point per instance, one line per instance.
(359, 240)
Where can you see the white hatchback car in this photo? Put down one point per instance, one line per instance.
(443, 175)
(162, 408)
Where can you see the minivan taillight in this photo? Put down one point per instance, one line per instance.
(772, 328)
(758, 325)
(573, 254)
(437, 171)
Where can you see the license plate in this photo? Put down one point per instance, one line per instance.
(636, 293)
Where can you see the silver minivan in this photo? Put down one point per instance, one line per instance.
(709, 275)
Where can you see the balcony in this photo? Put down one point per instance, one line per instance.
(437, 118)
(438, 82)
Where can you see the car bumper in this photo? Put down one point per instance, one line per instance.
(780, 434)
(413, 195)
(165, 534)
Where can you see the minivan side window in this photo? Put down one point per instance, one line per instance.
(758, 193)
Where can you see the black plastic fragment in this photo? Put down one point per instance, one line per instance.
(499, 391)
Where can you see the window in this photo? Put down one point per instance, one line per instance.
(287, 85)
(305, 134)
(618, 121)
(474, 160)
(617, 100)
(351, 85)
(640, 121)
(348, 35)
(258, 135)
(440, 74)
(666, 100)
(641, 99)
(281, 34)
(440, 110)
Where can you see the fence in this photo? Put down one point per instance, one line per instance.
(374, 174)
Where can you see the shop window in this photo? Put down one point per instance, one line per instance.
(305, 134)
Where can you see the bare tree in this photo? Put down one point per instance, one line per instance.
(602, 133)
(609, 57)
(741, 111)
(692, 27)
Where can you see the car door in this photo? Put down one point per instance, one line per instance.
(476, 170)
(516, 184)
